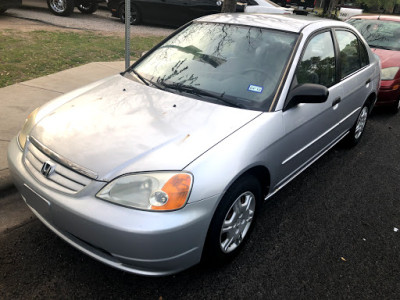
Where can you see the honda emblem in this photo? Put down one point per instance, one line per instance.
(47, 169)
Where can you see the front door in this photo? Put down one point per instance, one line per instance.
(311, 128)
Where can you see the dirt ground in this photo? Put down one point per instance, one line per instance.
(24, 25)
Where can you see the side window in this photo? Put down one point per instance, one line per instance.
(318, 62)
(350, 57)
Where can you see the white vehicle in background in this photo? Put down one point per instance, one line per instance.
(266, 6)
(346, 13)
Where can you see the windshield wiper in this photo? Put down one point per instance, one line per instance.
(199, 92)
(145, 81)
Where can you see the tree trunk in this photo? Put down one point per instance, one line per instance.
(331, 8)
(326, 6)
(229, 6)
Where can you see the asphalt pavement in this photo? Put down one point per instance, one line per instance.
(332, 233)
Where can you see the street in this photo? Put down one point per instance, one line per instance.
(101, 21)
(330, 233)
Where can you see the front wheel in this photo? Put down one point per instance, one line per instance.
(87, 7)
(61, 7)
(233, 220)
(354, 136)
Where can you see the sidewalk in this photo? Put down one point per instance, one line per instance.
(18, 100)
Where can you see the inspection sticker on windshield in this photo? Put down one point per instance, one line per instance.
(255, 88)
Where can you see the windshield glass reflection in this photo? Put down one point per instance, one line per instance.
(226, 64)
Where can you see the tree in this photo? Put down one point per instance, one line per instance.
(229, 6)
(330, 8)
(386, 5)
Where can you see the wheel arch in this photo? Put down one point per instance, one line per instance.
(263, 176)
(261, 173)
(370, 102)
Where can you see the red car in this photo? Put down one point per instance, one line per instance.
(383, 35)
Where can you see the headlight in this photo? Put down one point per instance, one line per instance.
(29, 123)
(149, 191)
(389, 73)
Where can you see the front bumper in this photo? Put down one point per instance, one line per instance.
(141, 242)
(389, 93)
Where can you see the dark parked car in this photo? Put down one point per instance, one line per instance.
(302, 6)
(5, 4)
(383, 34)
(167, 12)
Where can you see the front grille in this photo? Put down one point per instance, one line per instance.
(62, 179)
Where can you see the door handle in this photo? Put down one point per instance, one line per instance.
(368, 81)
(336, 101)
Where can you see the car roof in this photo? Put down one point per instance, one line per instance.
(379, 17)
(290, 23)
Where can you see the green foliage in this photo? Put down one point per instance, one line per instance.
(25, 56)
(387, 5)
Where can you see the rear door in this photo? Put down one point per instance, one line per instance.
(355, 74)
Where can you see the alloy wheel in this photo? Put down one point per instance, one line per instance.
(237, 222)
(58, 6)
(361, 121)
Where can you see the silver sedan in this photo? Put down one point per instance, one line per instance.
(154, 169)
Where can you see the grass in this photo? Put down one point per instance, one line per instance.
(28, 55)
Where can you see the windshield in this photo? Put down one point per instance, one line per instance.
(378, 33)
(220, 63)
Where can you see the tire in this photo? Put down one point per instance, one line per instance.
(61, 7)
(136, 16)
(239, 207)
(396, 107)
(356, 132)
(87, 7)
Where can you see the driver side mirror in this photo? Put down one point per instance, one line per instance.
(307, 93)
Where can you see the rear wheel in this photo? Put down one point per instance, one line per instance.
(135, 14)
(357, 130)
(87, 7)
(233, 220)
(61, 7)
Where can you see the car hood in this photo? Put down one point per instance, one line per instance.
(389, 58)
(122, 126)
